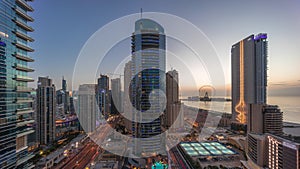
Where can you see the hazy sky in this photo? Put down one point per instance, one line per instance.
(63, 26)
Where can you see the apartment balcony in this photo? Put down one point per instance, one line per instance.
(23, 36)
(28, 165)
(153, 37)
(23, 14)
(31, 165)
(23, 25)
(23, 57)
(25, 5)
(2, 100)
(23, 68)
(24, 159)
(2, 64)
(23, 78)
(23, 46)
(24, 111)
(23, 89)
(25, 132)
(24, 100)
(21, 149)
(23, 123)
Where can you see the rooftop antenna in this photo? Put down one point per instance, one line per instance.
(141, 13)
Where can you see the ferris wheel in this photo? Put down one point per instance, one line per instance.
(206, 92)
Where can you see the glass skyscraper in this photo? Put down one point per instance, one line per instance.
(103, 98)
(16, 113)
(147, 85)
(249, 75)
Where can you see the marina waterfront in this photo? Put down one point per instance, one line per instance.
(289, 105)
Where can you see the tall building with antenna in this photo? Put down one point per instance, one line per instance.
(64, 84)
(148, 81)
(63, 97)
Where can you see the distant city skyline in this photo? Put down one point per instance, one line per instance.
(282, 28)
(149, 84)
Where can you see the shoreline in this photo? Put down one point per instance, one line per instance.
(286, 124)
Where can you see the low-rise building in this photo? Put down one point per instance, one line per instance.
(209, 153)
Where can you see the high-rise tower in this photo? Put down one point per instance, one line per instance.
(16, 115)
(116, 99)
(46, 111)
(64, 84)
(147, 86)
(126, 103)
(87, 107)
(102, 93)
(249, 75)
(173, 102)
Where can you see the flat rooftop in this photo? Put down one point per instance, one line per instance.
(194, 149)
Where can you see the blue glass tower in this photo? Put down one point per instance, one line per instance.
(147, 86)
(16, 114)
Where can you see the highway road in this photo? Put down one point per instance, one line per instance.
(80, 160)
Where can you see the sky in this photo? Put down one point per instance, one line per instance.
(62, 27)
